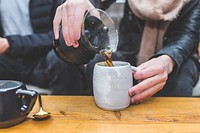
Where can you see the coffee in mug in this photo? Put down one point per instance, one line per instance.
(111, 85)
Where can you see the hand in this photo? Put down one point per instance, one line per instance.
(153, 75)
(71, 14)
(4, 45)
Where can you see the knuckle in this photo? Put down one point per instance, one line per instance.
(65, 4)
(141, 75)
(165, 77)
(150, 93)
(138, 98)
(139, 87)
(149, 83)
(162, 84)
(161, 69)
(59, 8)
(69, 4)
(55, 22)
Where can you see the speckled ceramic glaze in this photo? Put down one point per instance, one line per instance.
(111, 85)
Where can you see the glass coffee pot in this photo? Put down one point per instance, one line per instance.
(98, 33)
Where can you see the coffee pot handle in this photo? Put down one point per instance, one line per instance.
(27, 99)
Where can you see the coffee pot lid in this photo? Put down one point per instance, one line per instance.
(9, 84)
(99, 30)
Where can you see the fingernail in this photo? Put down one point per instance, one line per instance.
(131, 93)
(76, 44)
(56, 36)
(68, 43)
(132, 101)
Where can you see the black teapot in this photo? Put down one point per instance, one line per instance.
(98, 33)
(16, 102)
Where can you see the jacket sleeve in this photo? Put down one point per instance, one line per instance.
(182, 38)
(30, 46)
(102, 4)
(36, 44)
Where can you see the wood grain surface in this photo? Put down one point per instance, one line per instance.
(79, 114)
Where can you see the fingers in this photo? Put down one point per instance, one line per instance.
(155, 66)
(153, 75)
(149, 72)
(95, 13)
(79, 14)
(147, 87)
(70, 14)
(65, 24)
(141, 97)
(78, 17)
(56, 22)
(148, 83)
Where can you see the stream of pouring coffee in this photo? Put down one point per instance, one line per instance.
(108, 57)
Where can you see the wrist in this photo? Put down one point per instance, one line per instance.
(5, 44)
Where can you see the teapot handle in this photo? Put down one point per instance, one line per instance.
(27, 99)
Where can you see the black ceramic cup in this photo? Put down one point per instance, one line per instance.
(15, 102)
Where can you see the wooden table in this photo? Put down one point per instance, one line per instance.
(73, 114)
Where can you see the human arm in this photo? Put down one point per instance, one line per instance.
(71, 14)
(40, 41)
(30, 46)
(181, 42)
(152, 75)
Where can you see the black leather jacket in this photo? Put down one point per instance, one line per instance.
(180, 41)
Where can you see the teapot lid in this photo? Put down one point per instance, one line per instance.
(6, 85)
(99, 30)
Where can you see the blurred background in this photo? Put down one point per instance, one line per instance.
(116, 12)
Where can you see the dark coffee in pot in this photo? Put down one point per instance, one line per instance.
(93, 38)
(97, 33)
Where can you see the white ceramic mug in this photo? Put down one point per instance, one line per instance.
(111, 85)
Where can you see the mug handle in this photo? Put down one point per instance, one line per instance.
(27, 98)
(133, 68)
